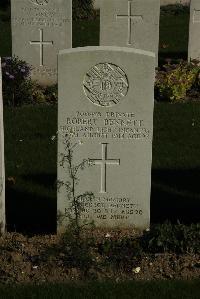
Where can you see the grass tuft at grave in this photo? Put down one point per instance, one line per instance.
(111, 290)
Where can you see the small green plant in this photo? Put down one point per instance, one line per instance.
(168, 237)
(44, 94)
(176, 80)
(77, 248)
(121, 252)
(76, 200)
(17, 85)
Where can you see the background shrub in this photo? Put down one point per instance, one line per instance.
(174, 81)
(174, 9)
(83, 9)
(19, 89)
(167, 237)
(17, 86)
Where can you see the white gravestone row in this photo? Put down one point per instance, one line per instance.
(194, 31)
(106, 110)
(2, 169)
(40, 28)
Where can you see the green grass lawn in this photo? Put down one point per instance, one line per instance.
(174, 34)
(106, 290)
(31, 161)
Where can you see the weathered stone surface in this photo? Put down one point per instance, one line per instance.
(2, 167)
(130, 23)
(40, 28)
(194, 31)
(106, 109)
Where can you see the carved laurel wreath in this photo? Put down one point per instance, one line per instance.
(40, 2)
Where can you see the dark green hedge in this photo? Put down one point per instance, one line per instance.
(4, 4)
(83, 9)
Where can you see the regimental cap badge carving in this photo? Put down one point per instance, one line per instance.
(40, 2)
(105, 84)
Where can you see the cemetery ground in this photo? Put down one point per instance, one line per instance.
(168, 252)
(31, 206)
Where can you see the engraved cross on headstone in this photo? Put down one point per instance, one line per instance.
(41, 43)
(103, 162)
(130, 18)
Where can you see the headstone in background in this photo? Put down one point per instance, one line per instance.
(40, 28)
(106, 108)
(97, 4)
(194, 31)
(130, 23)
(2, 167)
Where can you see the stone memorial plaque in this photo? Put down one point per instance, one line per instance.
(106, 111)
(194, 31)
(130, 23)
(2, 167)
(40, 28)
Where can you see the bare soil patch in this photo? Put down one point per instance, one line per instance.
(43, 259)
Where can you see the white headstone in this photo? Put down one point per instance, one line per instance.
(2, 167)
(106, 109)
(194, 31)
(130, 23)
(40, 28)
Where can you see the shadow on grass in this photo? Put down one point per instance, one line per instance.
(30, 213)
(45, 180)
(174, 56)
(175, 195)
(107, 290)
